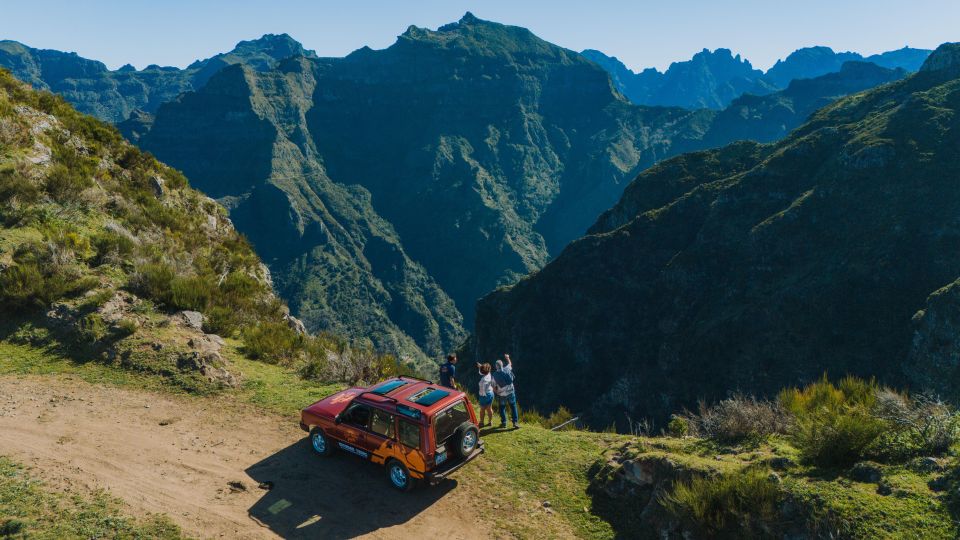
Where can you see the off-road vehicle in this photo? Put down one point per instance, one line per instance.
(420, 431)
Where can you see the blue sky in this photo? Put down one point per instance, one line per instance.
(641, 33)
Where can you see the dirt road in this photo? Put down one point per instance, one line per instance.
(177, 455)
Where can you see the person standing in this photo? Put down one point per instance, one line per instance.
(503, 386)
(448, 372)
(485, 391)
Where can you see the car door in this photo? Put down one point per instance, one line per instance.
(379, 439)
(351, 431)
(410, 445)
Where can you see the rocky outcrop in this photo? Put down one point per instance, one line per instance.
(934, 359)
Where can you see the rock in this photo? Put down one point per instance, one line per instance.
(926, 464)
(884, 488)
(210, 364)
(206, 343)
(237, 485)
(192, 319)
(780, 463)
(296, 324)
(546, 504)
(865, 472)
(940, 483)
(156, 184)
(267, 486)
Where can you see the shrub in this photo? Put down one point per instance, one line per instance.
(91, 328)
(678, 426)
(738, 419)
(727, 503)
(153, 280)
(21, 285)
(111, 247)
(64, 184)
(834, 424)
(272, 342)
(922, 425)
(191, 293)
(222, 321)
(126, 327)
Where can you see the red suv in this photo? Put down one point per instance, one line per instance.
(418, 430)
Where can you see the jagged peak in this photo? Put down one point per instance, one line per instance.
(945, 59)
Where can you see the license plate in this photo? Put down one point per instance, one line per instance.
(440, 458)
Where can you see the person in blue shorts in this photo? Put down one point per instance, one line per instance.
(485, 391)
(448, 372)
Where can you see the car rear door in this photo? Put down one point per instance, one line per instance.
(410, 439)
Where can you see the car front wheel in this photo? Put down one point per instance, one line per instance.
(320, 442)
(399, 476)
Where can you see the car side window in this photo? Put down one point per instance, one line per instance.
(358, 415)
(381, 423)
(409, 434)
(449, 420)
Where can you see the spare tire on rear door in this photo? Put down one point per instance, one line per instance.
(465, 439)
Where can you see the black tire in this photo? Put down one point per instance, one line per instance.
(320, 442)
(399, 476)
(465, 439)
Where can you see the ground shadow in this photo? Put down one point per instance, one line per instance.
(495, 430)
(340, 496)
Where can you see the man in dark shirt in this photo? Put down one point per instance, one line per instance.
(448, 372)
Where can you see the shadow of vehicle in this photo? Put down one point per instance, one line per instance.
(340, 496)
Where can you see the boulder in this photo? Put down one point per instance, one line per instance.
(296, 324)
(191, 319)
(866, 471)
(156, 184)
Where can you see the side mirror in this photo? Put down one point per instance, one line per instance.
(337, 419)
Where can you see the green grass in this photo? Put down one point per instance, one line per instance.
(525, 467)
(29, 510)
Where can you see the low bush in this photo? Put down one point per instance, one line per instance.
(922, 425)
(678, 426)
(192, 292)
(91, 328)
(739, 418)
(273, 343)
(725, 504)
(834, 424)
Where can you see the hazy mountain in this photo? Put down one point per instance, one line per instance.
(114, 95)
(715, 79)
(752, 267)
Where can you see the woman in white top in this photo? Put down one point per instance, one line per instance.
(485, 391)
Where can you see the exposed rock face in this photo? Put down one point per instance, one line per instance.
(751, 267)
(934, 361)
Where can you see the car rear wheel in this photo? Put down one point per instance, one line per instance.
(399, 476)
(466, 439)
(320, 442)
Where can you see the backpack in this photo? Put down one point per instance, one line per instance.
(502, 378)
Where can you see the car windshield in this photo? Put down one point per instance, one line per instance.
(447, 422)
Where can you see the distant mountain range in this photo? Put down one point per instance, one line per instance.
(714, 79)
(388, 190)
(114, 95)
(753, 267)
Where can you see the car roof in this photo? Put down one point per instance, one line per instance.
(400, 390)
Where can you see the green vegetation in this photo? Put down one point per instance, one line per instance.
(726, 504)
(28, 509)
(807, 474)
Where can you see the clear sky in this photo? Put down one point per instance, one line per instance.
(642, 33)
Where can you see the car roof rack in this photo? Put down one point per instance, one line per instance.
(414, 378)
(381, 396)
